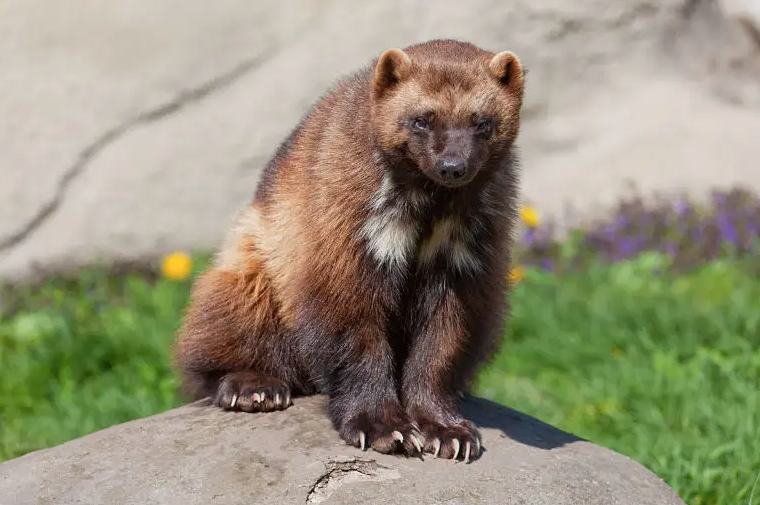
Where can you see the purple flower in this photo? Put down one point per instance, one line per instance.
(626, 247)
(691, 235)
(530, 236)
(683, 208)
(547, 264)
(729, 231)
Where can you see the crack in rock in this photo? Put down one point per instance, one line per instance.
(753, 31)
(341, 472)
(114, 134)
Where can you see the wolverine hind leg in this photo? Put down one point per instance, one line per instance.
(232, 346)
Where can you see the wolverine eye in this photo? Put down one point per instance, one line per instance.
(420, 124)
(483, 126)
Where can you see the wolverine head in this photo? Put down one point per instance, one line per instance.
(449, 108)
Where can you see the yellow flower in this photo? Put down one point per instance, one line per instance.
(516, 274)
(176, 266)
(529, 216)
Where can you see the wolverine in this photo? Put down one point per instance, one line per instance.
(371, 264)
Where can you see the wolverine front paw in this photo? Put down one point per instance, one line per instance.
(388, 434)
(452, 441)
(252, 392)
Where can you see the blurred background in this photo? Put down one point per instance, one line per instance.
(130, 134)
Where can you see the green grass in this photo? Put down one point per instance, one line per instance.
(665, 370)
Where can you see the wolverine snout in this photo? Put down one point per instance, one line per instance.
(451, 168)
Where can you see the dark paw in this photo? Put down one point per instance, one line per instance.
(460, 441)
(251, 392)
(395, 435)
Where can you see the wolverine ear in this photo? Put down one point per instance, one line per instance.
(506, 67)
(392, 67)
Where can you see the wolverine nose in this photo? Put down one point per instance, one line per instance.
(450, 168)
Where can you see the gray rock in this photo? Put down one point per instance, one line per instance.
(198, 454)
(713, 39)
(746, 12)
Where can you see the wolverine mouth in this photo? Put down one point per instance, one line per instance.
(452, 183)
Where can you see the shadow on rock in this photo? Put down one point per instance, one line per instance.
(515, 425)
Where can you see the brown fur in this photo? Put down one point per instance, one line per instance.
(314, 291)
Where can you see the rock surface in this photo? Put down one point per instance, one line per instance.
(129, 130)
(198, 454)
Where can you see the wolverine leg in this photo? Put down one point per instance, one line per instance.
(357, 373)
(232, 347)
(437, 368)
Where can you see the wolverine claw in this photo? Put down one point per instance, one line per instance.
(367, 433)
(460, 442)
(251, 392)
(416, 442)
(437, 447)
